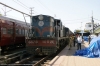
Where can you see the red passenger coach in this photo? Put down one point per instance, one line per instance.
(19, 35)
(6, 37)
(12, 33)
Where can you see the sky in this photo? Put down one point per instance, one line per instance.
(74, 14)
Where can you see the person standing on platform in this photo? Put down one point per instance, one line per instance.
(89, 39)
(79, 42)
(75, 40)
(70, 41)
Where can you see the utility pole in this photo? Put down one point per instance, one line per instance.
(5, 12)
(31, 11)
(92, 23)
(14, 9)
(81, 29)
(81, 25)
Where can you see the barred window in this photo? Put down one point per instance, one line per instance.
(4, 30)
(26, 32)
(10, 31)
(20, 31)
(17, 31)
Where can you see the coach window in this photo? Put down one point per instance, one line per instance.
(20, 31)
(10, 31)
(4, 30)
(23, 31)
(17, 31)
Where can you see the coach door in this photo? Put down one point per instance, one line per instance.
(14, 34)
(0, 29)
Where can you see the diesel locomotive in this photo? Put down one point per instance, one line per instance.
(47, 35)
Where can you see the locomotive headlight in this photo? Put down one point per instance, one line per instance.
(40, 17)
(41, 23)
(51, 20)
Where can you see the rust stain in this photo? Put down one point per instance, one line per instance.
(45, 29)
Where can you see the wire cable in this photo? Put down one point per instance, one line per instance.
(23, 5)
(75, 19)
(96, 19)
(44, 6)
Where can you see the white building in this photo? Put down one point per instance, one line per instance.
(89, 26)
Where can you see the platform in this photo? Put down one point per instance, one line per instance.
(66, 58)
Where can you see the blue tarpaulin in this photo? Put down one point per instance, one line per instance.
(93, 51)
(85, 38)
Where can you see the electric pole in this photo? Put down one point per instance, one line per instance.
(14, 9)
(81, 25)
(31, 11)
(81, 29)
(92, 23)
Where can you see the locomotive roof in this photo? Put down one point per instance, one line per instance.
(14, 20)
(43, 15)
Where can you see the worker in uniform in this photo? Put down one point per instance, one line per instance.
(70, 41)
(74, 40)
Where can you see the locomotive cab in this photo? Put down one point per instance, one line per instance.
(58, 27)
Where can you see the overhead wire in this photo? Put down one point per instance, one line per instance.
(27, 6)
(23, 5)
(45, 6)
(96, 19)
(75, 19)
(38, 3)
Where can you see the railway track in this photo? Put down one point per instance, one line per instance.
(10, 58)
(22, 57)
(44, 61)
(37, 60)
